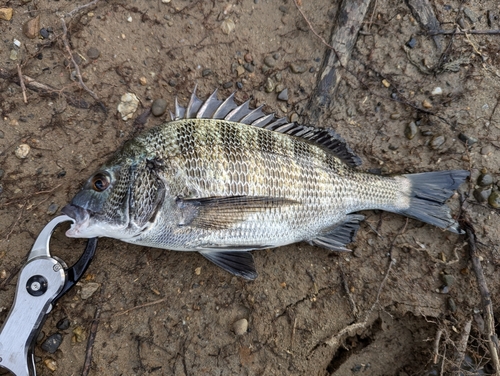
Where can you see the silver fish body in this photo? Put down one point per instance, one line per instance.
(223, 179)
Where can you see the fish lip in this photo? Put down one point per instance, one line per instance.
(81, 217)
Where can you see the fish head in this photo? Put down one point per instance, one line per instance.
(118, 201)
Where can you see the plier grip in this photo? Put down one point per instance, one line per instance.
(42, 281)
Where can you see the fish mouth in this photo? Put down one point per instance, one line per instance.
(81, 217)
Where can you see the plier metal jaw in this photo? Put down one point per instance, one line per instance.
(42, 281)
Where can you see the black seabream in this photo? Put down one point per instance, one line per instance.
(222, 179)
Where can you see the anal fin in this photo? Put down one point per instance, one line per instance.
(239, 263)
(341, 235)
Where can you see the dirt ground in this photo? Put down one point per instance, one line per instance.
(375, 311)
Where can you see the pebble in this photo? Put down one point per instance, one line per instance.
(227, 85)
(248, 57)
(411, 130)
(467, 139)
(294, 117)
(143, 81)
(395, 116)
(78, 335)
(206, 72)
(269, 85)
(5, 14)
(494, 199)
(227, 26)
(93, 53)
(297, 68)
(412, 43)
(482, 194)
(484, 180)
(452, 305)
(128, 105)
(52, 343)
(240, 327)
(2, 172)
(2, 134)
(437, 91)
(448, 280)
(240, 70)
(279, 88)
(172, 82)
(31, 27)
(426, 103)
(283, 96)
(470, 15)
(159, 107)
(13, 55)
(63, 324)
(51, 364)
(270, 61)
(249, 67)
(44, 33)
(386, 83)
(437, 142)
(166, 1)
(22, 151)
(88, 290)
(52, 209)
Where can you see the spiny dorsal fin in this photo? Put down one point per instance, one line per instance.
(213, 108)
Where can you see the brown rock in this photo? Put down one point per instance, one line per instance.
(32, 27)
(5, 14)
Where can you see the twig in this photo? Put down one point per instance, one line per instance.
(77, 9)
(463, 32)
(437, 340)
(91, 340)
(489, 320)
(140, 306)
(21, 82)
(461, 349)
(352, 303)
(77, 68)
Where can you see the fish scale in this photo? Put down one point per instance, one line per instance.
(223, 179)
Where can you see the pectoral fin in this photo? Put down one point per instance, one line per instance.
(218, 213)
(341, 235)
(239, 263)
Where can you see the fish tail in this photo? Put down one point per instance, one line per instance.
(427, 196)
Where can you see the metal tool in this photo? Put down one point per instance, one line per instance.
(42, 281)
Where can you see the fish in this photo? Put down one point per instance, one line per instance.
(223, 179)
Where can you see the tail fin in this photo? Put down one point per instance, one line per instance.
(428, 195)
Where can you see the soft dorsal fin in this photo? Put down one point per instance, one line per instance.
(213, 108)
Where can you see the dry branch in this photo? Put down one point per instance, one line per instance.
(424, 14)
(91, 340)
(349, 20)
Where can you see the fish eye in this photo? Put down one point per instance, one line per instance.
(100, 182)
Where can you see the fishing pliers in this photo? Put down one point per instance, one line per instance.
(42, 281)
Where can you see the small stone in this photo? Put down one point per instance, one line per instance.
(279, 88)
(78, 335)
(143, 81)
(467, 139)
(63, 324)
(128, 105)
(5, 14)
(31, 27)
(52, 343)
(44, 33)
(482, 194)
(448, 280)
(17, 43)
(294, 117)
(197, 271)
(270, 85)
(386, 83)
(3, 274)
(52, 209)
(249, 67)
(2, 134)
(93, 53)
(2, 172)
(227, 26)
(283, 96)
(437, 91)
(426, 103)
(452, 305)
(51, 364)
(13, 55)
(484, 180)
(410, 130)
(22, 151)
(240, 327)
(270, 61)
(206, 72)
(227, 85)
(494, 199)
(159, 107)
(395, 116)
(297, 68)
(444, 289)
(88, 289)
(166, 1)
(129, 19)
(248, 57)
(437, 142)
(471, 15)
(172, 82)
(240, 70)
(411, 43)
